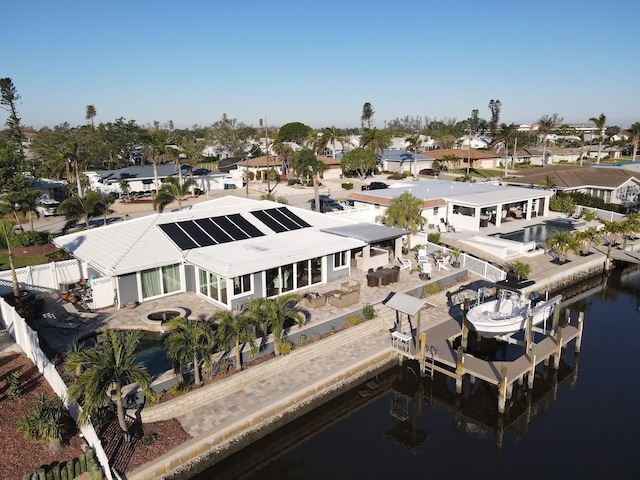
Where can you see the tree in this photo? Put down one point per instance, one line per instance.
(600, 123)
(367, 116)
(587, 238)
(71, 156)
(376, 140)
(521, 270)
(190, 341)
(546, 125)
(414, 145)
(305, 162)
(360, 161)
(76, 208)
(45, 421)
(547, 183)
(8, 241)
(274, 313)
(328, 135)
(634, 134)
(91, 113)
(405, 212)
(295, 132)
(563, 242)
(8, 99)
(170, 191)
(451, 161)
(236, 330)
(494, 107)
(107, 367)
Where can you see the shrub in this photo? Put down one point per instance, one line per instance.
(347, 186)
(354, 319)
(431, 289)
(45, 420)
(284, 347)
(293, 181)
(58, 256)
(368, 312)
(180, 388)
(434, 237)
(13, 385)
(396, 176)
(28, 239)
(251, 176)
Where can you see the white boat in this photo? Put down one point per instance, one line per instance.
(508, 313)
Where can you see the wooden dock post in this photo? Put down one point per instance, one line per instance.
(557, 355)
(529, 332)
(555, 320)
(579, 335)
(422, 353)
(532, 367)
(459, 369)
(465, 333)
(502, 389)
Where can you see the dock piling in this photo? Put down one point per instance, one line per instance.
(502, 389)
(579, 336)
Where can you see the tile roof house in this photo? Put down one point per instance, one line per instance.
(613, 185)
(228, 250)
(479, 158)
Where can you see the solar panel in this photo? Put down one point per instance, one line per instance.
(218, 234)
(285, 211)
(269, 221)
(197, 233)
(245, 225)
(229, 227)
(177, 236)
(283, 219)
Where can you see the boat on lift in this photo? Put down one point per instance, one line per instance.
(508, 312)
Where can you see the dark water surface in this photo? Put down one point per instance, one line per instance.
(582, 421)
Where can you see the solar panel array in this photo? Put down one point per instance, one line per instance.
(204, 232)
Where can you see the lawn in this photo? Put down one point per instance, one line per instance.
(26, 256)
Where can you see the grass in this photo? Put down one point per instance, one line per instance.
(483, 173)
(20, 262)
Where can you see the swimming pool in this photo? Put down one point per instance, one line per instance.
(533, 233)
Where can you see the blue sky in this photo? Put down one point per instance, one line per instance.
(319, 62)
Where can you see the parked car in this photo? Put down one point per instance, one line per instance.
(375, 186)
(47, 207)
(429, 172)
(327, 204)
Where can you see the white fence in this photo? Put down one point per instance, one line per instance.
(49, 276)
(28, 341)
(473, 264)
(607, 215)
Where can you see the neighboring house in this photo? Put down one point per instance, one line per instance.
(611, 184)
(403, 161)
(260, 165)
(228, 250)
(477, 142)
(52, 189)
(479, 158)
(140, 178)
(465, 206)
(534, 155)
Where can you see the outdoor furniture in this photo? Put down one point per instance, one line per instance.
(314, 300)
(373, 280)
(443, 262)
(71, 309)
(344, 299)
(401, 341)
(350, 285)
(422, 256)
(404, 263)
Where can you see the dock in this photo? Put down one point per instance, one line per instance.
(436, 351)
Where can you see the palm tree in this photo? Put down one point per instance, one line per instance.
(600, 123)
(414, 144)
(376, 140)
(45, 421)
(611, 233)
(305, 162)
(71, 156)
(107, 367)
(329, 135)
(547, 183)
(29, 204)
(563, 242)
(190, 341)
(274, 313)
(521, 269)
(546, 125)
(171, 190)
(405, 212)
(236, 330)
(8, 240)
(91, 113)
(634, 134)
(76, 208)
(630, 227)
(587, 238)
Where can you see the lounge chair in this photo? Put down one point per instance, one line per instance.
(405, 263)
(73, 311)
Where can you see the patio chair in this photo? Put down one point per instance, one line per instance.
(422, 256)
(404, 263)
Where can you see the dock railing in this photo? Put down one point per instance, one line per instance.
(473, 264)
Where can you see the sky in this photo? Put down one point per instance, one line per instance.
(318, 62)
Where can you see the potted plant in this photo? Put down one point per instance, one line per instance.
(520, 270)
(456, 256)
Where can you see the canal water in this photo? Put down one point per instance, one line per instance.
(581, 421)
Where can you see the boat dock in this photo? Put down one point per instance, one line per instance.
(436, 351)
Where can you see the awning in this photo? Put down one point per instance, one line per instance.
(404, 303)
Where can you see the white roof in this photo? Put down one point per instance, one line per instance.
(139, 244)
(461, 193)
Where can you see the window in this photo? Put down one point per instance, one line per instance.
(160, 281)
(340, 260)
(242, 284)
(213, 286)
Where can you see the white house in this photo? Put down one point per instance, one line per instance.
(228, 250)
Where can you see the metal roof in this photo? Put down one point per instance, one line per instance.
(367, 232)
(404, 303)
